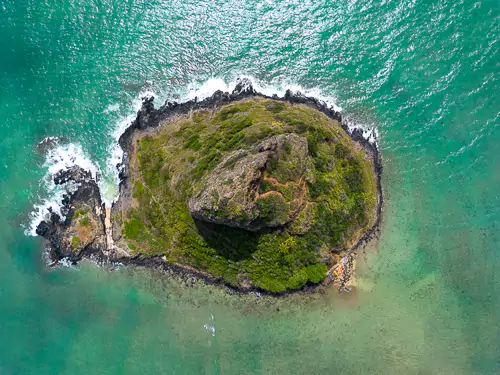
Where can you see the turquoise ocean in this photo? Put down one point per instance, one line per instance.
(424, 74)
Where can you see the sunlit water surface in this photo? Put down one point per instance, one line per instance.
(425, 74)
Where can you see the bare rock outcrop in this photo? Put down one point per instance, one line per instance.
(230, 195)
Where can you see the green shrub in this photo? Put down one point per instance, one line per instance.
(80, 212)
(75, 242)
(312, 145)
(193, 142)
(316, 272)
(319, 188)
(133, 227)
(273, 209)
(84, 221)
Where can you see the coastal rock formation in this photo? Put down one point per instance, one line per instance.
(82, 232)
(254, 192)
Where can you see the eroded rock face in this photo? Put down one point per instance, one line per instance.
(82, 232)
(230, 195)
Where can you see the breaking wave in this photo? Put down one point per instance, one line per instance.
(58, 157)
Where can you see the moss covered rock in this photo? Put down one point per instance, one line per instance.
(230, 193)
(259, 192)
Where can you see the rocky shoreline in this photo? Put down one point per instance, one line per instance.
(98, 242)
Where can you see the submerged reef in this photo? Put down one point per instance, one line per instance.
(254, 192)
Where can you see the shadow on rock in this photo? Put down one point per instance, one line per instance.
(232, 243)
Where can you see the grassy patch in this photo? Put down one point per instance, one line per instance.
(80, 212)
(75, 242)
(84, 221)
(133, 228)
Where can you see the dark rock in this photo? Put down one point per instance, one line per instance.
(82, 232)
(243, 87)
(75, 174)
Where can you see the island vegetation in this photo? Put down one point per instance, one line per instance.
(259, 193)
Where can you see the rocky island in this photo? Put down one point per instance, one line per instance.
(254, 192)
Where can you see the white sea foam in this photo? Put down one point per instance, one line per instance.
(109, 186)
(61, 263)
(57, 158)
(370, 132)
(49, 140)
(112, 108)
(210, 327)
(66, 156)
(207, 88)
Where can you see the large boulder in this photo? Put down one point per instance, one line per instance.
(231, 193)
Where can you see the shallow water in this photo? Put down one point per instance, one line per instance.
(424, 74)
